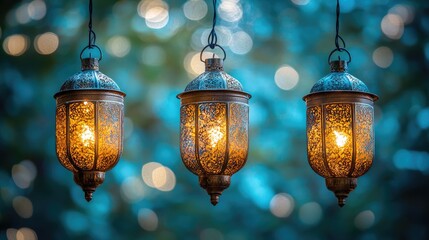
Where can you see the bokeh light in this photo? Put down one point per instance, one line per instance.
(155, 13)
(21, 234)
(241, 43)
(282, 205)
(46, 43)
(23, 206)
(118, 46)
(195, 9)
(22, 14)
(15, 45)
(147, 171)
(36, 9)
(382, 57)
(286, 77)
(404, 11)
(157, 176)
(148, 219)
(230, 11)
(24, 173)
(392, 26)
(364, 220)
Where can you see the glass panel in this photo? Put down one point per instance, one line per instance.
(338, 138)
(60, 134)
(212, 136)
(81, 134)
(238, 137)
(109, 134)
(314, 141)
(187, 138)
(364, 115)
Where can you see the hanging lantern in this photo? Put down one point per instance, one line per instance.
(340, 129)
(89, 125)
(340, 125)
(89, 122)
(214, 123)
(214, 119)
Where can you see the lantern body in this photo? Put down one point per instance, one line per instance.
(89, 125)
(214, 121)
(340, 129)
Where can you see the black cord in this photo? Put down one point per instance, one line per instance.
(212, 39)
(91, 37)
(91, 34)
(338, 38)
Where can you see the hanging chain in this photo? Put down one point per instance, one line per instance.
(91, 36)
(338, 38)
(212, 38)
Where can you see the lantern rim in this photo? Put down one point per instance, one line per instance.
(74, 91)
(217, 91)
(372, 96)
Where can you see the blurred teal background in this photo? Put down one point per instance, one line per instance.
(277, 49)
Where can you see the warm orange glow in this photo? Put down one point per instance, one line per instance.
(87, 136)
(215, 134)
(340, 139)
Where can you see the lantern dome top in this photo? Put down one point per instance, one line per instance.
(90, 78)
(339, 80)
(214, 78)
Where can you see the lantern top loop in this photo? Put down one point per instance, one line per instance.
(340, 80)
(90, 78)
(214, 78)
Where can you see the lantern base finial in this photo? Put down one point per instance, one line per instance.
(214, 185)
(89, 181)
(341, 186)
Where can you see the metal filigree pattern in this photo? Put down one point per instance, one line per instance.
(238, 137)
(187, 138)
(232, 83)
(211, 80)
(109, 134)
(61, 140)
(89, 79)
(211, 136)
(339, 81)
(339, 138)
(364, 134)
(82, 134)
(314, 141)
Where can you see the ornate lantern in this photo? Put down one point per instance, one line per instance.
(89, 122)
(340, 125)
(214, 119)
(340, 129)
(89, 125)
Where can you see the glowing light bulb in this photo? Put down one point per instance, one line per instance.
(215, 135)
(340, 138)
(87, 136)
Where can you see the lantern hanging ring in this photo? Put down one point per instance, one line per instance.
(339, 58)
(89, 48)
(212, 46)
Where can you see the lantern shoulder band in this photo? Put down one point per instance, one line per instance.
(214, 122)
(340, 129)
(89, 125)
